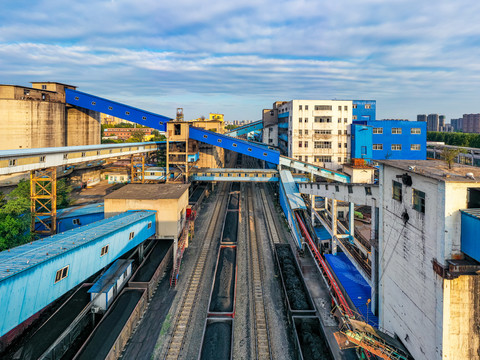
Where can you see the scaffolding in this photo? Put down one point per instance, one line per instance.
(137, 169)
(43, 201)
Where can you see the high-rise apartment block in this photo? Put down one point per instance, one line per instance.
(433, 122)
(422, 117)
(470, 123)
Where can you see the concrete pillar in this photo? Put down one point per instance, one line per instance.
(175, 248)
(312, 202)
(334, 226)
(351, 219)
(141, 249)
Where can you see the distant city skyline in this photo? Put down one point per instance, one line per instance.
(237, 58)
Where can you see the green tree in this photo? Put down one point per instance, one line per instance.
(137, 136)
(63, 194)
(449, 155)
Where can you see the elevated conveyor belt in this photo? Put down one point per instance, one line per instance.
(122, 111)
(242, 130)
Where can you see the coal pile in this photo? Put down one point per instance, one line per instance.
(312, 341)
(296, 292)
(196, 194)
(217, 341)
(222, 298)
(230, 227)
(150, 265)
(108, 330)
(235, 186)
(233, 202)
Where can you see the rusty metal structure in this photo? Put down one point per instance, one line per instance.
(43, 201)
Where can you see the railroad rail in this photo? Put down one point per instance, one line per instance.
(190, 296)
(262, 336)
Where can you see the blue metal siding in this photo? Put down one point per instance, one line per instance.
(65, 224)
(362, 113)
(122, 111)
(242, 130)
(361, 145)
(236, 145)
(25, 290)
(295, 200)
(470, 241)
(283, 115)
(405, 139)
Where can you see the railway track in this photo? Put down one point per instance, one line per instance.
(267, 210)
(190, 296)
(261, 332)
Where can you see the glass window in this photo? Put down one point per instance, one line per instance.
(306, 119)
(299, 144)
(340, 108)
(368, 106)
(322, 145)
(61, 274)
(306, 132)
(396, 147)
(306, 145)
(415, 147)
(306, 107)
(397, 190)
(299, 107)
(354, 117)
(323, 107)
(396, 130)
(419, 201)
(354, 106)
(345, 108)
(299, 119)
(378, 130)
(377, 146)
(415, 131)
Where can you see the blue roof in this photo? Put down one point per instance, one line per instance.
(322, 233)
(291, 190)
(25, 256)
(110, 277)
(354, 284)
(75, 211)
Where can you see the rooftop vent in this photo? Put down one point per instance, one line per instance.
(470, 176)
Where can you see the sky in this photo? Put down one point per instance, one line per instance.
(238, 57)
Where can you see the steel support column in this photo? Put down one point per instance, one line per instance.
(137, 169)
(334, 227)
(43, 201)
(351, 220)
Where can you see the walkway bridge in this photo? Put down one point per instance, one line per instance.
(245, 129)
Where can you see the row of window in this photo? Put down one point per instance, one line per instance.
(396, 147)
(326, 107)
(414, 131)
(323, 158)
(418, 197)
(367, 106)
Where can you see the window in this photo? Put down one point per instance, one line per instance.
(299, 107)
(61, 274)
(306, 107)
(326, 159)
(415, 131)
(339, 145)
(306, 159)
(104, 250)
(44, 96)
(306, 120)
(377, 146)
(26, 92)
(345, 120)
(178, 129)
(345, 108)
(396, 190)
(354, 117)
(42, 158)
(131, 236)
(396, 130)
(344, 132)
(300, 132)
(350, 189)
(323, 120)
(377, 131)
(44, 87)
(337, 189)
(354, 106)
(368, 106)
(339, 120)
(419, 201)
(340, 108)
(323, 132)
(396, 147)
(339, 159)
(323, 107)
(322, 145)
(300, 157)
(306, 145)
(234, 145)
(306, 132)
(364, 150)
(345, 145)
(339, 132)
(12, 162)
(299, 144)
(76, 221)
(415, 147)
(299, 120)
(84, 154)
(368, 190)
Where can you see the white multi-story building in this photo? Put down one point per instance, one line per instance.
(314, 131)
(429, 288)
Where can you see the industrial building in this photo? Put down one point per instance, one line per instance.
(38, 117)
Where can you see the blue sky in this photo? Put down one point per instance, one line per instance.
(237, 58)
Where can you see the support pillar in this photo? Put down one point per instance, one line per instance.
(351, 220)
(43, 201)
(137, 169)
(312, 213)
(141, 249)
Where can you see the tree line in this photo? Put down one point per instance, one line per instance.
(455, 138)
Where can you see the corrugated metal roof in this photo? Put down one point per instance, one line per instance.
(354, 284)
(322, 233)
(472, 212)
(25, 256)
(291, 190)
(80, 210)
